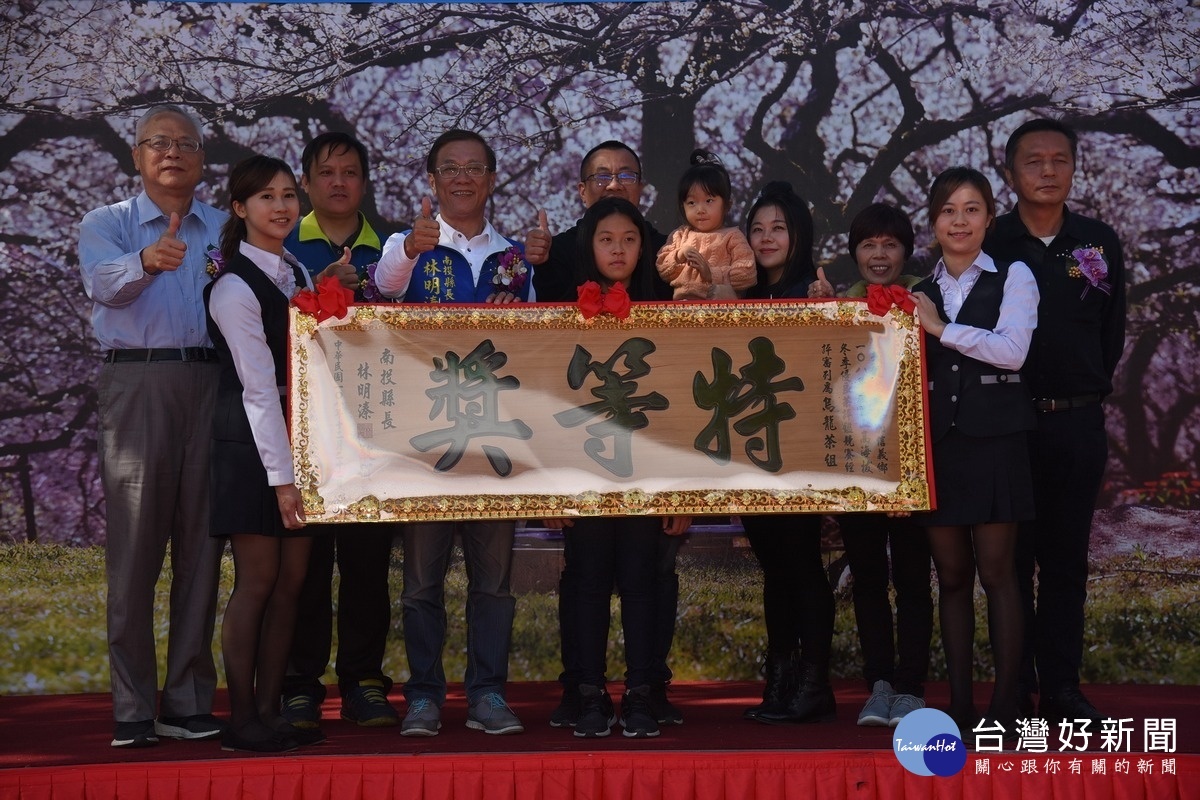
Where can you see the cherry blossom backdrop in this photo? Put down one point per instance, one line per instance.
(851, 101)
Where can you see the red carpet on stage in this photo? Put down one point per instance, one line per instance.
(58, 747)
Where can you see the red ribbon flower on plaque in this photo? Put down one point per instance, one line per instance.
(330, 300)
(593, 300)
(880, 299)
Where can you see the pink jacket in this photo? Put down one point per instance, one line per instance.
(729, 257)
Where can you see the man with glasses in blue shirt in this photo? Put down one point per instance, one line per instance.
(143, 265)
(458, 257)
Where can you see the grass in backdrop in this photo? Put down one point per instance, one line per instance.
(1141, 623)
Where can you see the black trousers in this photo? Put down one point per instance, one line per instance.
(797, 596)
(666, 594)
(362, 552)
(899, 653)
(1068, 451)
(621, 552)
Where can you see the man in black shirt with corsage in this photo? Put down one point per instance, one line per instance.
(1080, 273)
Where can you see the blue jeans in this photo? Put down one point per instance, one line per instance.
(487, 549)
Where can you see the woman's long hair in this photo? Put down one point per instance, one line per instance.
(248, 177)
(798, 269)
(641, 283)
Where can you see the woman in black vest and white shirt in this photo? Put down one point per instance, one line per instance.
(978, 317)
(255, 502)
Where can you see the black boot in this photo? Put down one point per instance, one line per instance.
(781, 671)
(811, 702)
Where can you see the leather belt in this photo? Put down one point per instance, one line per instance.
(1066, 403)
(987, 380)
(159, 354)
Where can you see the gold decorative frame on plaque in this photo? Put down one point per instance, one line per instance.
(440, 412)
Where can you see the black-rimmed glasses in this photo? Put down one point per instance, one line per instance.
(605, 179)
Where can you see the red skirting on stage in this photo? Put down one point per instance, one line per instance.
(57, 748)
(828, 775)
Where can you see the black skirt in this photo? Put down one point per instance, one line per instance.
(242, 502)
(981, 479)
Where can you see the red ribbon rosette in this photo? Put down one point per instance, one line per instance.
(616, 301)
(593, 300)
(880, 299)
(330, 300)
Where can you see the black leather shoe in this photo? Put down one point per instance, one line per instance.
(257, 738)
(966, 719)
(781, 671)
(813, 700)
(1070, 704)
(304, 737)
(810, 703)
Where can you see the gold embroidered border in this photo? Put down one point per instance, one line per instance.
(912, 492)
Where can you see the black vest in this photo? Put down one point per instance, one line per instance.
(229, 420)
(977, 398)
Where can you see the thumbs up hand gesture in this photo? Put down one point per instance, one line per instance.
(343, 270)
(425, 231)
(166, 254)
(537, 241)
(821, 287)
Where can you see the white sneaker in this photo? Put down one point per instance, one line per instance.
(878, 710)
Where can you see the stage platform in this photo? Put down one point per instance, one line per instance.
(57, 748)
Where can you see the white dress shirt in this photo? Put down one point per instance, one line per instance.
(1008, 344)
(238, 314)
(395, 268)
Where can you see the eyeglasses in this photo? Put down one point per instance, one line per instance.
(604, 179)
(162, 144)
(452, 171)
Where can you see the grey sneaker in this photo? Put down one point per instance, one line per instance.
(878, 710)
(491, 714)
(902, 704)
(424, 718)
